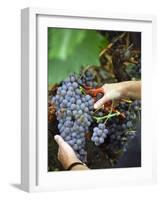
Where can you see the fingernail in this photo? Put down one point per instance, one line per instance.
(95, 106)
(55, 137)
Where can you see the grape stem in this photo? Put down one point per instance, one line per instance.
(127, 100)
(110, 115)
(110, 111)
(82, 90)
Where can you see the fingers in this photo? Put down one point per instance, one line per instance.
(100, 102)
(59, 140)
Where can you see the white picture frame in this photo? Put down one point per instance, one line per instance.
(34, 173)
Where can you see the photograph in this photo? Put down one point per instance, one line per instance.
(94, 99)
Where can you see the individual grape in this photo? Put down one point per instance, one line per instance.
(65, 102)
(82, 106)
(75, 147)
(79, 142)
(72, 100)
(69, 93)
(75, 85)
(88, 97)
(101, 126)
(71, 142)
(80, 112)
(71, 88)
(129, 124)
(101, 140)
(74, 134)
(68, 138)
(74, 112)
(86, 109)
(78, 102)
(73, 106)
(67, 130)
(72, 78)
(77, 91)
(124, 126)
(63, 92)
(91, 102)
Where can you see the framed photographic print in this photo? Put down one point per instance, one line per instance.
(86, 107)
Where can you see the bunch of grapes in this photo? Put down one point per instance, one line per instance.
(88, 79)
(99, 134)
(122, 130)
(74, 113)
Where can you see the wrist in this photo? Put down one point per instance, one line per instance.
(78, 166)
(69, 163)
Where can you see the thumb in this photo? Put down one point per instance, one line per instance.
(100, 102)
(59, 140)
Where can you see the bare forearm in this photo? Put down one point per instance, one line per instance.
(132, 89)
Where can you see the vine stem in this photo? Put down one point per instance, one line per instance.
(82, 90)
(110, 115)
(110, 111)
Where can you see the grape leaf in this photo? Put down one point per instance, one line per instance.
(70, 49)
(62, 42)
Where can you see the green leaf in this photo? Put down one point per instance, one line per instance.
(70, 49)
(62, 42)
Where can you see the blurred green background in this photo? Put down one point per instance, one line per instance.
(70, 49)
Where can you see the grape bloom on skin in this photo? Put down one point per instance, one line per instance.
(73, 111)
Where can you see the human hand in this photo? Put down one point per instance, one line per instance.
(111, 91)
(66, 154)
